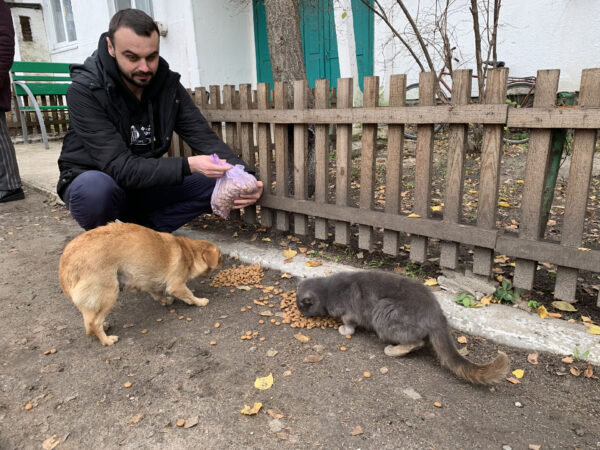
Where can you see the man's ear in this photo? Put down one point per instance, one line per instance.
(111, 49)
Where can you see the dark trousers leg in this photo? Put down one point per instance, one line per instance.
(9, 171)
(95, 199)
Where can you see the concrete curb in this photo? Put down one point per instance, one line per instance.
(501, 324)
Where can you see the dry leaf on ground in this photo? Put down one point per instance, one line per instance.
(264, 383)
(289, 253)
(313, 358)
(518, 373)
(513, 380)
(314, 263)
(563, 306)
(358, 430)
(533, 358)
(302, 337)
(592, 329)
(135, 419)
(462, 339)
(575, 371)
(51, 442)
(251, 411)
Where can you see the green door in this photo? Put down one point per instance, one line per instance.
(319, 43)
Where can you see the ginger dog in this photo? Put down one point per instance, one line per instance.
(99, 262)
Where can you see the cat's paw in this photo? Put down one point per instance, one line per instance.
(346, 329)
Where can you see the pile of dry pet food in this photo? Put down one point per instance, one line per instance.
(239, 276)
(295, 319)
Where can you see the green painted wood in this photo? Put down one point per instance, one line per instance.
(264, 73)
(44, 107)
(62, 79)
(44, 89)
(364, 23)
(39, 67)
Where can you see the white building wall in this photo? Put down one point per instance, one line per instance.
(533, 35)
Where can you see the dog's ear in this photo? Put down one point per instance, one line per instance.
(212, 255)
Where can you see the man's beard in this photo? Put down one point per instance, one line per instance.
(138, 83)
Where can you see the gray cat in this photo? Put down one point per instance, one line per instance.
(401, 311)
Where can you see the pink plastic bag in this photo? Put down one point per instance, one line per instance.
(234, 182)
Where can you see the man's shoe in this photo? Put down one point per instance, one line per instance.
(10, 196)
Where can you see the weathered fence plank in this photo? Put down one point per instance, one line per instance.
(457, 141)
(247, 143)
(580, 172)
(264, 152)
(280, 98)
(531, 226)
(321, 155)
(491, 152)
(343, 160)
(300, 145)
(215, 104)
(367, 161)
(423, 165)
(395, 156)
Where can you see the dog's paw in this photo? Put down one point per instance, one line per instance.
(110, 340)
(201, 301)
(105, 326)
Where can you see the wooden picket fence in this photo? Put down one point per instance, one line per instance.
(256, 123)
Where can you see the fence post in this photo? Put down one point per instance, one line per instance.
(215, 103)
(423, 165)
(491, 152)
(300, 145)
(247, 143)
(343, 159)
(264, 152)
(367, 161)
(230, 135)
(321, 155)
(457, 141)
(281, 154)
(537, 156)
(395, 156)
(580, 172)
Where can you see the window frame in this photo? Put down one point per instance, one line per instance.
(66, 44)
(113, 7)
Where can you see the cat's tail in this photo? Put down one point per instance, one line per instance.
(489, 373)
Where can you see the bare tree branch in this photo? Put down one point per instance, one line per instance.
(480, 74)
(417, 34)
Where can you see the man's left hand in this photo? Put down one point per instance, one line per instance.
(249, 199)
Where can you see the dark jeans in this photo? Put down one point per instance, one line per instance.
(94, 199)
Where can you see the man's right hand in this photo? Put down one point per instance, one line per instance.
(202, 164)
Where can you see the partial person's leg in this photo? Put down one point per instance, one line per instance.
(10, 181)
(94, 199)
(170, 207)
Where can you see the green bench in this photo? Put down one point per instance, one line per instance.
(39, 78)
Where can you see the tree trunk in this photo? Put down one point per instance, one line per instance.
(287, 64)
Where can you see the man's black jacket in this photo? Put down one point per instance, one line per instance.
(100, 117)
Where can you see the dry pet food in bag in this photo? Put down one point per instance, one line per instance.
(234, 182)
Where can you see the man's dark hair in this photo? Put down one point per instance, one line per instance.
(138, 21)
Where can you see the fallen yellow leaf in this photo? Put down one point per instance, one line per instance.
(314, 263)
(543, 312)
(266, 239)
(251, 411)
(436, 208)
(286, 275)
(302, 337)
(289, 253)
(504, 204)
(430, 282)
(518, 373)
(563, 306)
(264, 383)
(486, 300)
(592, 329)
(413, 216)
(462, 339)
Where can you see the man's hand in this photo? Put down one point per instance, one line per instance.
(202, 164)
(249, 199)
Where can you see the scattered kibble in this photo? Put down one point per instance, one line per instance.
(217, 325)
(159, 319)
(367, 374)
(348, 336)
(437, 404)
(181, 422)
(213, 342)
(28, 406)
(144, 331)
(239, 276)
(189, 319)
(181, 317)
(343, 349)
(127, 384)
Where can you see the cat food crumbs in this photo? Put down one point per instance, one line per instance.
(232, 290)
(383, 370)
(172, 311)
(243, 310)
(277, 323)
(144, 331)
(343, 349)
(217, 325)
(249, 307)
(127, 384)
(302, 337)
(181, 422)
(367, 374)
(159, 319)
(261, 321)
(287, 373)
(238, 276)
(348, 336)
(462, 339)
(50, 352)
(262, 339)
(213, 342)
(28, 406)
(181, 317)
(437, 404)
(248, 333)
(295, 319)
(272, 321)
(189, 319)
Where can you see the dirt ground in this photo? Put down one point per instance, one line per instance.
(77, 396)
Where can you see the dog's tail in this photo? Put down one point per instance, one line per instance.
(489, 373)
